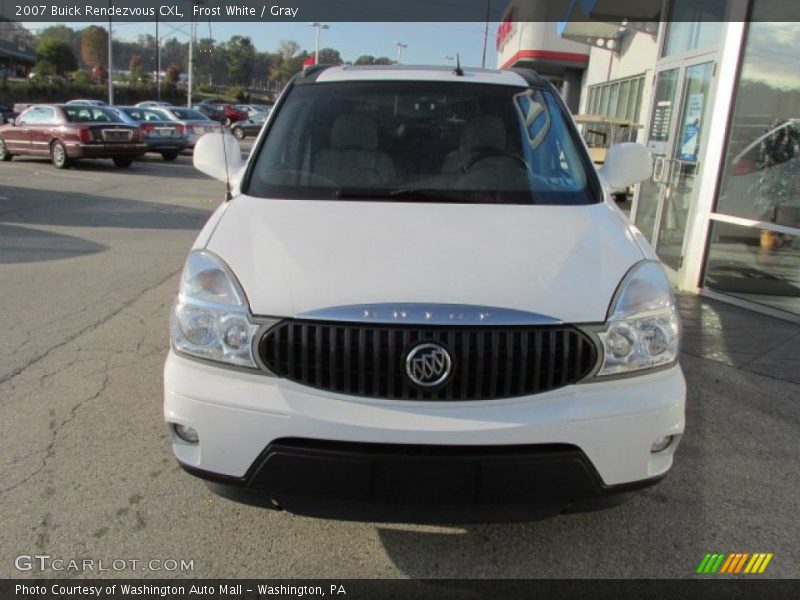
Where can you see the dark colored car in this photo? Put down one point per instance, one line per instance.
(231, 114)
(6, 114)
(251, 126)
(161, 134)
(211, 111)
(68, 132)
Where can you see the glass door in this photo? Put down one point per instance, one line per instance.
(680, 110)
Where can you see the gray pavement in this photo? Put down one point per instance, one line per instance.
(89, 260)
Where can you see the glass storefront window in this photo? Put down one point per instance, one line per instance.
(761, 176)
(754, 264)
(694, 25)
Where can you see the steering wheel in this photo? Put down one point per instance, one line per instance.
(484, 153)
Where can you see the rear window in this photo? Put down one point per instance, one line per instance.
(422, 141)
(90, 114)
(186, 114)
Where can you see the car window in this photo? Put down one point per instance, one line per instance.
(431, 141)
(37, 115)
(90, 114)
(187, 114)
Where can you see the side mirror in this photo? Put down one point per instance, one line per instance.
(625, 165)
(218, 155)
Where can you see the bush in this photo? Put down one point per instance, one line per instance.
(237, 92)
(33, 91)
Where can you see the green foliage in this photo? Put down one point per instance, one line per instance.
(237, 92)
(54, 57)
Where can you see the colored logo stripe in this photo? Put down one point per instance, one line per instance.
(734, 562)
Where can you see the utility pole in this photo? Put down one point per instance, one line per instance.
(158, 61)
(486, 32)
(110, 66)
(191, 65)
(400, 46)
(318, 27)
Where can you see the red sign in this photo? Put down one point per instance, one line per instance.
(309, 61)
(504, 30)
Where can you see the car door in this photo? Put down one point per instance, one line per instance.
(41, 131)
(17, 138)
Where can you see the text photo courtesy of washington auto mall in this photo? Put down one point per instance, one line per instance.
(431, 299)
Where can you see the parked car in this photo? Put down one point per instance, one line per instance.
(66, 132)
(6, 114)
(152, 104)
(254, 109)
(194, 122)
(88, 102)
(422, 303)
(232, 114)
(250, 126)
(211, 111)
(161, 134)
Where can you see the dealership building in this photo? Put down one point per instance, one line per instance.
(715, 88)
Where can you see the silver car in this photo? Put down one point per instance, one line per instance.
(195, 122)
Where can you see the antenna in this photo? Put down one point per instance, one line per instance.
(458, 71)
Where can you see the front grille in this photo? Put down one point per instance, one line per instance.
(369, 360)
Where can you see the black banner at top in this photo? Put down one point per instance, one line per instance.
(382, 10)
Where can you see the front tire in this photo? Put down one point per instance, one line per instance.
(123, 162)
(169, 155)
(5, 155)
(238, 133)
(58, 155)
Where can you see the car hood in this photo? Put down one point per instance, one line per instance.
(295, 256)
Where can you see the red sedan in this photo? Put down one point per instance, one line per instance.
(68, 132)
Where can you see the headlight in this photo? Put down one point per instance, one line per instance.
(643, 326)
(210, 318)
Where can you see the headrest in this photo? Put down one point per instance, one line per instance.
(483, 131)
(354, 132)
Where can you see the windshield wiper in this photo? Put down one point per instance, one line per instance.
(427, 194)
(420, 194)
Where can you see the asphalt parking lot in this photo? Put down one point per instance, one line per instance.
(89, 261)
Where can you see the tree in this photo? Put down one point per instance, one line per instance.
(172, 75)
(94, 46)
(54, 57)
(383, 60)
(329, 56)
(138, 75)
(240, 58)
(365, 59)
(288, 48)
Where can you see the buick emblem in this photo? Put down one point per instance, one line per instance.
(428, 365)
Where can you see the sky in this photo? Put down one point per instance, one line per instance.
(428, 43)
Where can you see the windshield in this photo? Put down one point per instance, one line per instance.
(90, 114)
(422, 141)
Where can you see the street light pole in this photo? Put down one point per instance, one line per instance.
(318, 27)
(158, 61)
(110, 67)
(400, 46)
(191, 65)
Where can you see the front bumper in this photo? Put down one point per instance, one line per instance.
(602, 432)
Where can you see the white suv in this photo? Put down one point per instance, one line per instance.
(420, 304)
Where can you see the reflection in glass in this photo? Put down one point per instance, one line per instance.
(683, 167)
(757, 265)
(761, 178)
(694, 25)
(657, 139)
